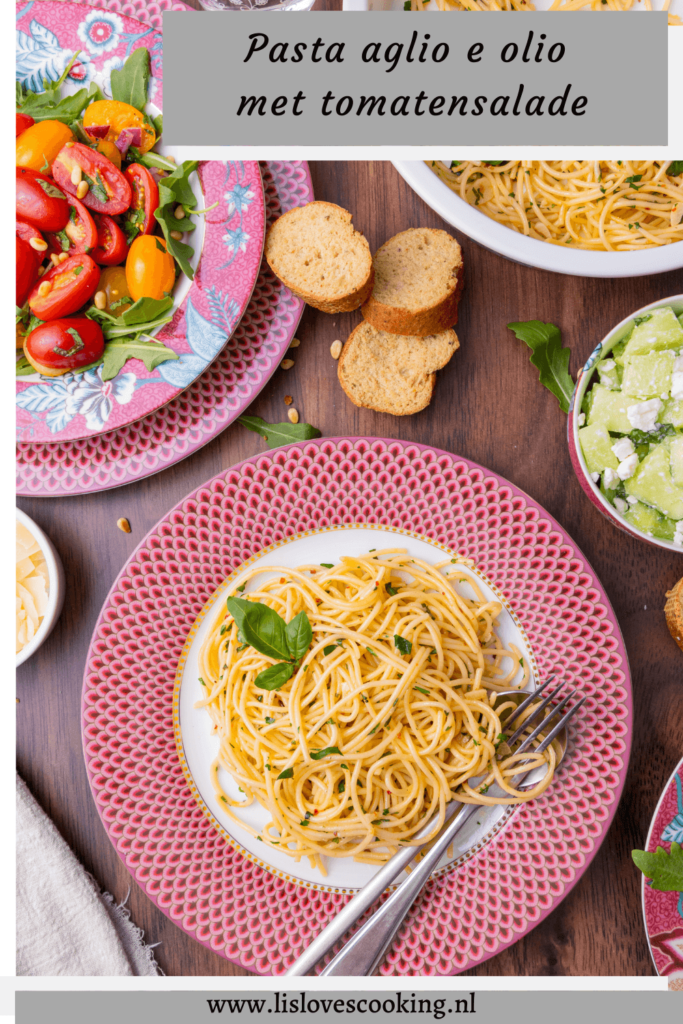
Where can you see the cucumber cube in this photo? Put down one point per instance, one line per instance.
(676, 458)
(608, 410)
(652, 483)
(661, 330)
(610, 374)
(672, 412)
(596, 445)
(648, 376)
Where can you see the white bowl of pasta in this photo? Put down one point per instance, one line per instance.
(672, 6)
(603, 202)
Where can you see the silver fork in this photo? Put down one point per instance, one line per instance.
(365, 950)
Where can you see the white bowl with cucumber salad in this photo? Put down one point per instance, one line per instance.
(625, 427)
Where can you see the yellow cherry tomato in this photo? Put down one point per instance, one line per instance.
(119, 116)
(109, 150)
(150, 269)
(115, 286)
(38, 146)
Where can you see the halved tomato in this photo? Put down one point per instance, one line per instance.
(38, 145)
(65, 288)
(62, 345)
(145, 201)
(108, 190)
(150, 269)
(112, 247)
(80, 233)
(27, 232)
(23, 122)
(118, 116)
(27, 270)
(40, 202)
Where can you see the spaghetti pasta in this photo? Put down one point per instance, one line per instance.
(392, 712)
(527, 5)
(599, 205)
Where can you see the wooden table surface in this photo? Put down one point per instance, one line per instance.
(488, 406)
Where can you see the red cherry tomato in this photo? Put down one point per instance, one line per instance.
(112, 247)
(108, 191)
(145, 199)
(23, 122)
(80, 233)
(65, 288)
(40, 201)
(27, 232)
(63, 345)
(27, 270)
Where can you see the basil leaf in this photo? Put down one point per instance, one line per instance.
(50, 189)
(403, 645)
(129, 83)
(318, 755)
(549, 357)
(262, 628)
(298, 634)
(276, 434)
(330, 648)
(286, 774)
(274, 677)
(421, 690)
(675, 168)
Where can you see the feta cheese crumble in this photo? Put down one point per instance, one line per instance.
(643, 415)
(595, 477)
(582, 418)
(620, 505)
(623, 448)
(610, 479)
(627, 468)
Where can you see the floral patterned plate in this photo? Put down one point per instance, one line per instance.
(228, 242)
(663, 911)
(236, 904)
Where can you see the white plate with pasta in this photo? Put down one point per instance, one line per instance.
(518, 5)
(587, 218)
(257, 717)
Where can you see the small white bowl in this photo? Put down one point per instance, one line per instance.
(55, 591)
(583, 382)
(530, 251)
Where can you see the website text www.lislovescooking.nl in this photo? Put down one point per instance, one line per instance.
(306, 1003)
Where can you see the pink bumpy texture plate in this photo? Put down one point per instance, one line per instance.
(149, 11)
(208, 406)
(664, 910)
(230, 904)
(76, 406)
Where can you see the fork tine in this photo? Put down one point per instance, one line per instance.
(534, 714)
(561, 724)
(543, 724)
(530, 699)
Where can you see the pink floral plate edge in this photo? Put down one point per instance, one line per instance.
(205, 916)
(149, 11)
(207, 407)
(80, 406)
(663, 911)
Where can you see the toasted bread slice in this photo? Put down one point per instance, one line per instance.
(673, 609)
(390, 372)
(418, 280)
(318, 254)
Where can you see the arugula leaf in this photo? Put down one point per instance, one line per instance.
(49, 105)
(298, 634)
(404, 646)
(286, 774)
(118, 351)
(175, 190)
(665, 870)
(145, 310)
(119, 327)
(262, 628)
(276, 434)
(158, 124)
(318, 755)
(24, 368)
(274, 677)
(549, 357)
(129, 83)
(675, 168)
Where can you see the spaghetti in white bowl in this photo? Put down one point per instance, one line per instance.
(351, 755)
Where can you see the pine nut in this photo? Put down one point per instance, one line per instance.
(335, 349)
(123, 524)
(82, 190)
(69, 145)
(44, 288)
(171, 158)
(62, 257)
(179, 213)
(41, 271)
(294, 343)
(287, 364)
(288, 399)
(54, 259)
(293, 416)
(177, 235)
(101, 300)
(76, 175)
(39, 244)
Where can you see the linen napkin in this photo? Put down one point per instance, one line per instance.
(65, 925)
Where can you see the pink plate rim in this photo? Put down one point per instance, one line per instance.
(652, 841)
(357, 444)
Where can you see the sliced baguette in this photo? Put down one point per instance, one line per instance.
(318, 254)
(673, 609)
(390, 372)
(418, 280)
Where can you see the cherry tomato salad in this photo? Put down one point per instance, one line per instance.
(101, 220)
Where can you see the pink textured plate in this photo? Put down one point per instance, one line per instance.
(663, 911)
(207, 407)
(228, 242)
(149, 11)
(242, 909)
